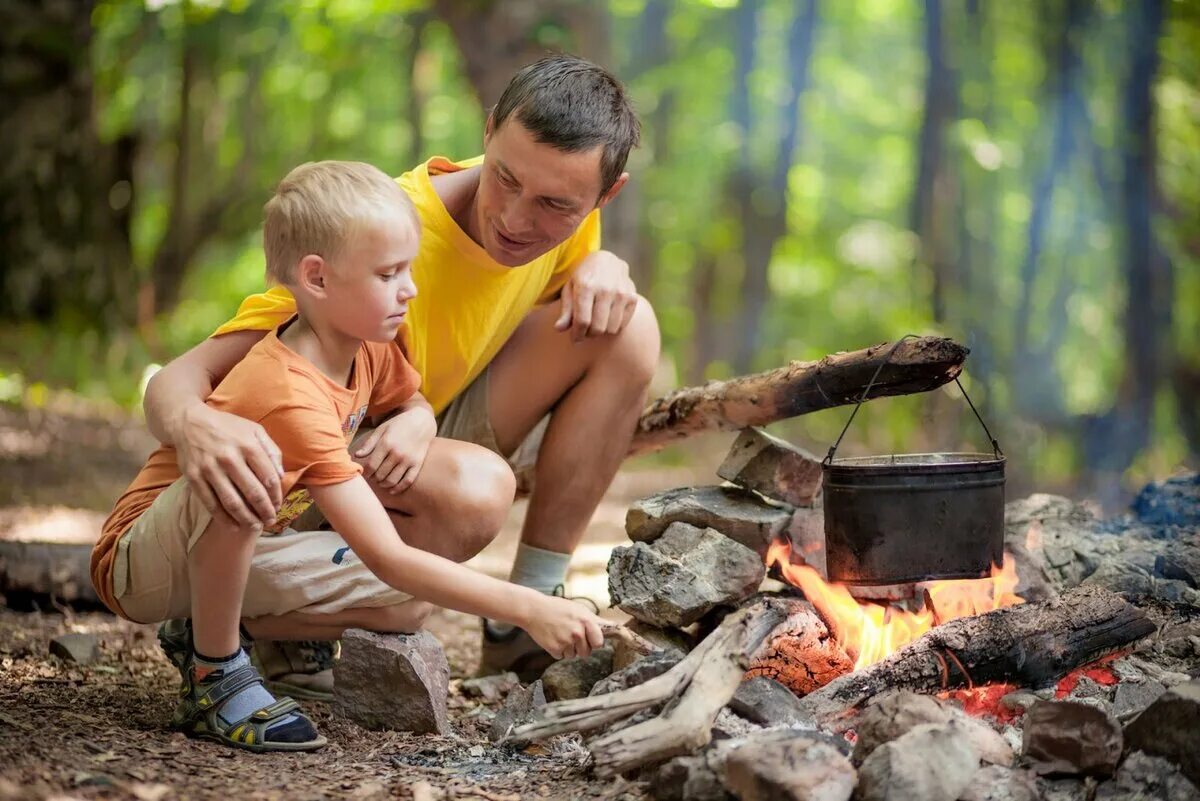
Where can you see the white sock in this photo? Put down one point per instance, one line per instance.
(537, 569)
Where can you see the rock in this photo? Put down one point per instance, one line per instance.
(932, 762)
(684, 573)
(1174, 502)
(518, 708)
(1072, 738)
(794, 769)
(392, 681)
(1067, 789)
(1087, 687)
(1018, 700)
(772, 467)
(1147, 778)
(895, 714)
(728, 726)
(1121, 577)
(671, 640)
(998, 783)
(693, 778)
(767, 702)
(575, 677)
(490, 688)
(807, 533)
(82, 649)
(738, 514)
(1169, 728)
(639, 672)
(1132, 697)
(1180, 563)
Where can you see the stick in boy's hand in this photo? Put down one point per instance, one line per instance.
(635, 642)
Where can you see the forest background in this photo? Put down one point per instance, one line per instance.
(815, 175)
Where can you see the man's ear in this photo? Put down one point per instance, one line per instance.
(613, 191)
(310, 275)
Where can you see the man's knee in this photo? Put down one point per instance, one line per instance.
(639, 342)
(484, 487)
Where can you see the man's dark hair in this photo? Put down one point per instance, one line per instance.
(573, 105)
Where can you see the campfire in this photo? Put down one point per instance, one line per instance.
(868, 631)
(982, 681)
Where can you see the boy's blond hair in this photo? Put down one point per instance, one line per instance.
(319, 205)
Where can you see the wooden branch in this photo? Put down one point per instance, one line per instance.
(742, 628)
(918, 365)
(1031, 645)
(802, 655)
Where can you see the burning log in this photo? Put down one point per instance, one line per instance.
(918, 365)
(1031, 645)
(802, 655)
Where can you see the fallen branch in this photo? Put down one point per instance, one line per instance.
(918, 365)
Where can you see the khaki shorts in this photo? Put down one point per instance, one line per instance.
(466, 419)
(314, 572)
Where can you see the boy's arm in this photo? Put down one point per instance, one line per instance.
(230, 461)
(562, 627)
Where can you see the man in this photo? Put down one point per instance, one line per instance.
(531, 342)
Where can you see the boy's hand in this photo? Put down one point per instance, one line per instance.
(392, 455)
(599, 298)
(564, 628)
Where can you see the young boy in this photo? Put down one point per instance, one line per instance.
(341, 237)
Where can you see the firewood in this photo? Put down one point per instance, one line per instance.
(698, 687)
(802, 655)
(1031, 645)
(918, 365)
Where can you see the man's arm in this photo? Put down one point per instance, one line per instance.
(599, 298)
(562, 627)
(230, 461)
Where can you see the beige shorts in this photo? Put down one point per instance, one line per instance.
(466, 419)
(296, 571)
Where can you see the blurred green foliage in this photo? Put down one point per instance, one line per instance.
(275, 84)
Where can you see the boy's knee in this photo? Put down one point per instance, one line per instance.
(405, 618)
(484, 490)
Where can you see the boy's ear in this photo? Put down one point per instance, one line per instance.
(310, 275)
(489, 127)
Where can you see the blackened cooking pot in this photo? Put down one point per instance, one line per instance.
(914, 517)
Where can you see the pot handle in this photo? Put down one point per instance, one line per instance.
(833, 448)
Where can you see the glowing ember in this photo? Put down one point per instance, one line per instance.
(985, 700)
(868, 631)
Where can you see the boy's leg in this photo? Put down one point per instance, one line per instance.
(406, 617)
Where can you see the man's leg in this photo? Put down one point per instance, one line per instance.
(595, 389)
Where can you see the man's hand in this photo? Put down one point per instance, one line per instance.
(231, 463)
(392, 454)
(599, 298)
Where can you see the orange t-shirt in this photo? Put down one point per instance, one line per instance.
(311, 417)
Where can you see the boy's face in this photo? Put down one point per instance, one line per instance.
(369, 285)
(532, 196)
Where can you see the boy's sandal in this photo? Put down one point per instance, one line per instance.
(197, 716)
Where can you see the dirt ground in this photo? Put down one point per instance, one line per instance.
(101, 731)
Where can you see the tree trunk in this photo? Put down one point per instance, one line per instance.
(66, 196)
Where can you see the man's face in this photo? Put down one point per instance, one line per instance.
(532, 196)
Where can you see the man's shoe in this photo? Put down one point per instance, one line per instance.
(300, 669)
(512, 649)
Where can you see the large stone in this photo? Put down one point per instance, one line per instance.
(672, 640)
(693, 778)
(932, 762)
(639, 672)
(1132, 697)
(683, 574)
(793, 769)
(1067, 737)
(1174, 502)
(574, 678)
(1147, 778)
(490, 688)
(765, 701)
(518, 708)
(82, 649)
(1181, 563)
(999, 783)
(772, 467)
(897, 713)
(1170, 728)
(738, 514)
(392, 681)
(807, 533)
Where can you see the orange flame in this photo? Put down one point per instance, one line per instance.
(869, 631)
